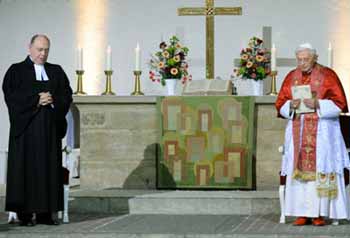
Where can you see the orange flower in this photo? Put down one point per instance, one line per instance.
(244, 57)
(165, 54)
(249, 64)
(174, 71)
(161, 64)
(178, 45)
(259, 58)
(177, 58)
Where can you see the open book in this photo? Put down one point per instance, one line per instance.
(207, 87)
(302, 92)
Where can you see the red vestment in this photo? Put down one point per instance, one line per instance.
(324, 84)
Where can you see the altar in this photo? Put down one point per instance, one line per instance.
(121, 145)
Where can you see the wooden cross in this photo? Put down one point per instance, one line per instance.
(280, 62)
(209, 11)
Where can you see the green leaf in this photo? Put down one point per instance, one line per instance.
(185, 49)
(171, 62)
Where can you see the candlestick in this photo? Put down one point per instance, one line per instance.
(273, 91)
(80, 59)
(137, 88)
(108, 83)
(273, 58)
(137, 58)
(80, 91)
(109, 58)
(330, 56)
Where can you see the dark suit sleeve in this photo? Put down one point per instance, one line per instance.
(21, 101)
(62, 100)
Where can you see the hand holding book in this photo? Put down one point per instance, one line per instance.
(311, 103)
(303, 102)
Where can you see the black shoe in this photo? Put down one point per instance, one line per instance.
(52, 222)
(27, 223)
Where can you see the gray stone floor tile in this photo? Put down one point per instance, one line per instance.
(173, 226)
(167, 224)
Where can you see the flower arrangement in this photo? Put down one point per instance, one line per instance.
(255, 61)
(169, 62)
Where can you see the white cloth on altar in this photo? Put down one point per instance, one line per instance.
(331, 156)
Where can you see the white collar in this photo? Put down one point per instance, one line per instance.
(40, 73)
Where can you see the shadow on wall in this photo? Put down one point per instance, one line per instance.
(144, 175)
(76, 125)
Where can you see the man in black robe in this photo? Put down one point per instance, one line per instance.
(38, 96)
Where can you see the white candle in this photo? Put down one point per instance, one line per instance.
(330, 56)
(109, 58)
(138, 58)
(273, 58)
(80, 58)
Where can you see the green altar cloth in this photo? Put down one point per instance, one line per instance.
(206, 142)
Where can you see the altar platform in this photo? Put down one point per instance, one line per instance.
(119, 134)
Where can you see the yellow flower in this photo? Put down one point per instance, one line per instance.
(259, 58)
(244, 57)
(249, 64)
(178, 45)
(165, 54)
(177, 58)
(174, 71)
(161, 64)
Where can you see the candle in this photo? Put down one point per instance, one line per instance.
(330, 56)
(138, 58)
(109, 58)
(80, 58)
(273, 58)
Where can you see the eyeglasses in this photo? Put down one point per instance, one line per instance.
(303, 60)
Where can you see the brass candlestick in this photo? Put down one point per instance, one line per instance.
(273, 91)
(137, 88)
(80, 83)
(108, 83)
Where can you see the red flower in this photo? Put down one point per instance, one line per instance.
(162, 45)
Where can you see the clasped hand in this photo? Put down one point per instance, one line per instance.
(310, 103)
(45, 98)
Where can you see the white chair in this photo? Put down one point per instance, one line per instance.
(66, 151)
(281, 192)
(3, 166)
(71, 163)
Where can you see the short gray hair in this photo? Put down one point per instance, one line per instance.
(306, 46)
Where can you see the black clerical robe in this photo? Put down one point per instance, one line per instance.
(35, 176)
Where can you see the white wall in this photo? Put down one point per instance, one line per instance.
(130, 21)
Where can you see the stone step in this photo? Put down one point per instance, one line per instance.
(175, 202)
(206, 202)
(119, 201)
